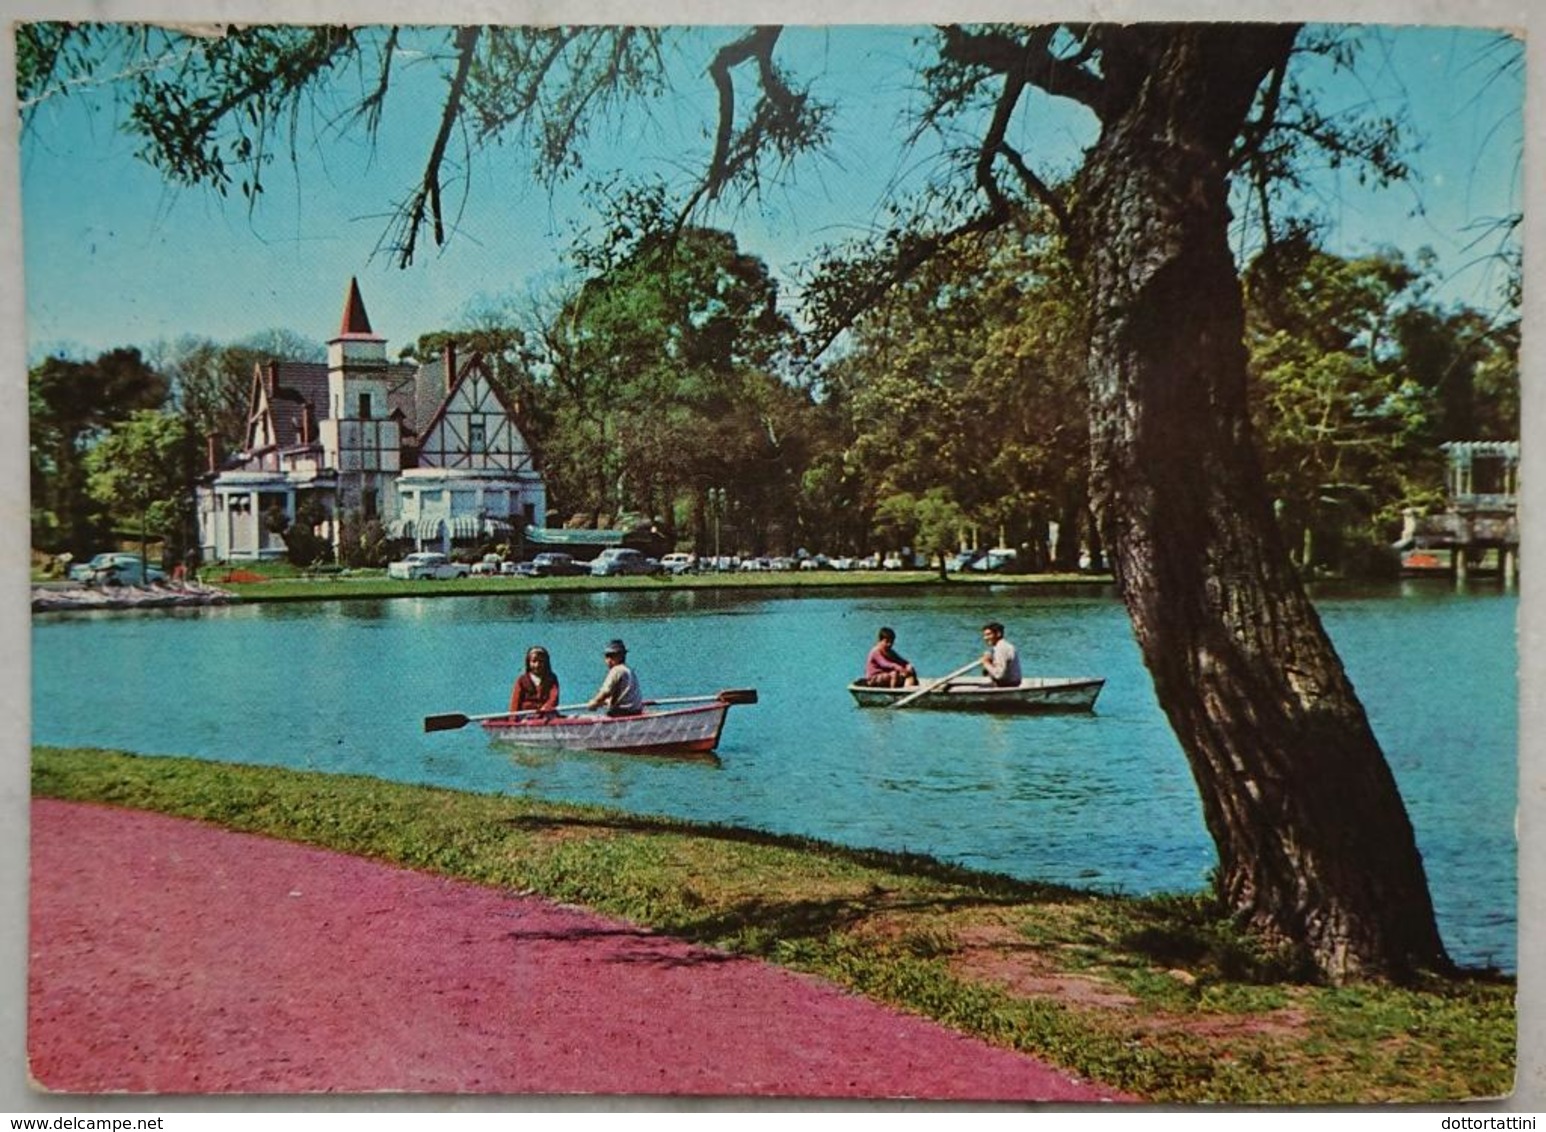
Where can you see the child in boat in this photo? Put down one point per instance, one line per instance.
(536, 688)
(885, 667)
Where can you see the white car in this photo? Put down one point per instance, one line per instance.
(489, 566)
(429, 564)
(679, 562)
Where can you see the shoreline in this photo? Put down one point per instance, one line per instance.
(52, 597)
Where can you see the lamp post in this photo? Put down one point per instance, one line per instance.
(717, 509)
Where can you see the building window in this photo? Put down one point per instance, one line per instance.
(475, 436)
(368, 502)
(530, 511)
(364, 406)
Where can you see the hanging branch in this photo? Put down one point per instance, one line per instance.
(426, 199)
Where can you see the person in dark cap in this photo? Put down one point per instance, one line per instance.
(619, 693)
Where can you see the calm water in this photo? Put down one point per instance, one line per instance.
(1103, 801)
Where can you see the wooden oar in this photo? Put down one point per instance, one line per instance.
(451, 721)
(727, 696)
(940, 683)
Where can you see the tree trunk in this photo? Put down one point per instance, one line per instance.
(1315, 847)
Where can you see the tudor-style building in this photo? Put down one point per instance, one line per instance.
(432, 451)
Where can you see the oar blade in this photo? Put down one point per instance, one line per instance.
(448, 722)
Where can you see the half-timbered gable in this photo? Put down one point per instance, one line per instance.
(474, 428)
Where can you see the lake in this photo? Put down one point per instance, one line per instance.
(1103, 801)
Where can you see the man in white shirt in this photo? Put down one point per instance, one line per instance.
(619, 692)
(1001, 663)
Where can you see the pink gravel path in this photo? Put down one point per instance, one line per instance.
(168, 956)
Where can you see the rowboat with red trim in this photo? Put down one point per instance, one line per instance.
(682, 725)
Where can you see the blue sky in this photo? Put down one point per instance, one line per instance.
(113, 256)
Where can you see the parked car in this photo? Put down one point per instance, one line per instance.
(519, 569)
(427, 564)
(489, 566)
(679, 562)
(556, 564)
(117, 568)
(816, 562)
(995, 560)
(618, 561)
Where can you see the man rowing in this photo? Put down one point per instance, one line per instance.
(1001, 663)
(619, 692)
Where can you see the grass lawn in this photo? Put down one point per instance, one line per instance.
(1157, 997)
(285, 585)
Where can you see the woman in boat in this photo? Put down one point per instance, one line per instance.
(536, 688)
(885, 667)
(1001, 663)
(619, 692)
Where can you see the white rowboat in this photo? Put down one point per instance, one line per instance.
(977, 693)
(682, 730)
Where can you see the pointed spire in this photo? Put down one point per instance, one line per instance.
(356, 322)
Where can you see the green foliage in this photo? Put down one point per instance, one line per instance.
(209, 120)
(664, 380)
(71, 405)
(968, 378)
(303, 545)
(1357, 379)
(362, 542)
(142, 472)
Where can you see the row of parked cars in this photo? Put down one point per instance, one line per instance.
(624, 561)
(612, 562)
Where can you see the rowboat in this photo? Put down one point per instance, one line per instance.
(683, 725)
(674, 731)
(977, 693)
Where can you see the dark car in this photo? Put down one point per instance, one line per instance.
(556, 564)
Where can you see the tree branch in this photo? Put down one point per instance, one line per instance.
(757, 44)
(1003, 54)
(427, 197)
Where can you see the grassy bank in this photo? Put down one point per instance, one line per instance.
(291, 586)
(1156, 997)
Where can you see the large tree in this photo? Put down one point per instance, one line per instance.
(211, 382)
(1315, 847)
(142, 472)
(958, 344)
(1346, 425)
(662, 376)
(71, 405)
